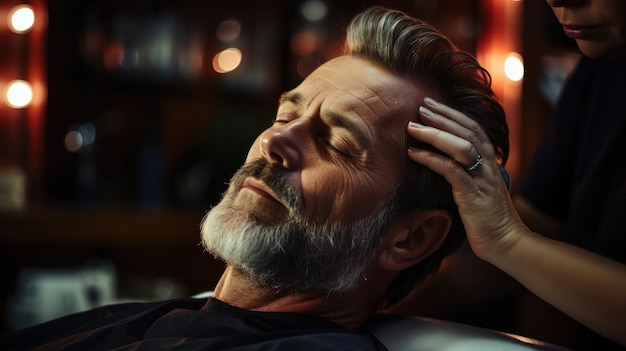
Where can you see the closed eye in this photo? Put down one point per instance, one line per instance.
(336, 149)
(284, 118)
(340, 145)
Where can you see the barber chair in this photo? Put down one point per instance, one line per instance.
(408, 333)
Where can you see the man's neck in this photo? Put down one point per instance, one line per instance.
(349, 309)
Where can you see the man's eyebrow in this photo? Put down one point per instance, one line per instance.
(289, 96)
(351, 125)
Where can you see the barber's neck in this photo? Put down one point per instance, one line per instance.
(349, 309)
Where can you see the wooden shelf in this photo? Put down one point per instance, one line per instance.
(115, 228)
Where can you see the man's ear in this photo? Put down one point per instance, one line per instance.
(413, 236)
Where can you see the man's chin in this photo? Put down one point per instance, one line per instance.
(237, 215)
(264, 212)
(227, 226)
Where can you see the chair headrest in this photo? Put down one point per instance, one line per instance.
(399, 333)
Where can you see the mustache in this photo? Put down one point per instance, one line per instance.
(274, 177)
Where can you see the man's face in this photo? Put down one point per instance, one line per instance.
(313, 195)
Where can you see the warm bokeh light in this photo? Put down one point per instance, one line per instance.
(228, 31)
(113, 56)
(227, 60)
(498, 38)
(304, 43)
(21, 18)
(514, 67)
(19, 94)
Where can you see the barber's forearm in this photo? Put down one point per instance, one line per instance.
(586, 286)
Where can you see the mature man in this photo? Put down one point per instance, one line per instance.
(327, 221)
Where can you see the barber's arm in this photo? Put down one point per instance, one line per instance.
(586, 286)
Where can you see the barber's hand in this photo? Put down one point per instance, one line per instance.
(479, 190)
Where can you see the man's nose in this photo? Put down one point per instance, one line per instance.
(282, 146)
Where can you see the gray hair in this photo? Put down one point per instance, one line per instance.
(418, 51)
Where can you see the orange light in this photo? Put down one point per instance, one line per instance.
(21, 18)
(304, 43)
(514, 67)
(227, 60)
(113, 56)
(19, 94)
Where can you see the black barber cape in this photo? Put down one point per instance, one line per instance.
(187, 324)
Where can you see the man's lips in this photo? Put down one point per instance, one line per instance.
(580, 31)
(260, 188)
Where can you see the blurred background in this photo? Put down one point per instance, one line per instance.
(121, 122)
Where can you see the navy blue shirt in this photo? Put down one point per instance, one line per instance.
(187, 324)
(579, 171)
(578, 175)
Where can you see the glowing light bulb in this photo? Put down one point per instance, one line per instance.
(21, 18)
(19, 94)
(514, 67)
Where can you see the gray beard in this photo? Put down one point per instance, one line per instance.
(293, 255)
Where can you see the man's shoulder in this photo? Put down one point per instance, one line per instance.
(87, 322)
(189, 325)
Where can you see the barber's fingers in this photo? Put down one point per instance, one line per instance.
(457, 148)
(473, 189)
(452, 115)
(449, 120)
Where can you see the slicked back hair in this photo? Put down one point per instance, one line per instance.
(419, 52)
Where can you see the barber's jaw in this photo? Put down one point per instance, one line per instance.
(597, 26)
(310, 206)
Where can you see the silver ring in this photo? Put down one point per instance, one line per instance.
(479, 161)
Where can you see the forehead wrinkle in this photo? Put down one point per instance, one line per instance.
(370, 95)
(354, 104)
(375, 91)
(392, 106)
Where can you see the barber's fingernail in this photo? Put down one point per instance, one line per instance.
(425, 111)
(415, 125)
(429, 101)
